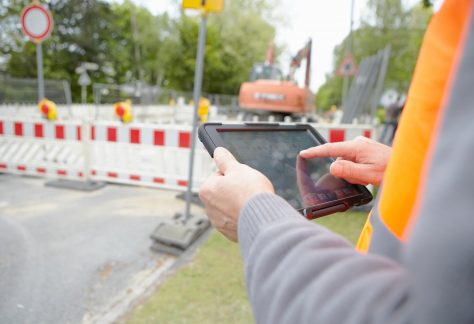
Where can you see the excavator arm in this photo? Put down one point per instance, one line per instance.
(303, 54)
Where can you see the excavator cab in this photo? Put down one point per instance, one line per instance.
(268, 92)
(263, 71)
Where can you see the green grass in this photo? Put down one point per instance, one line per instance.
(211, 288)
(347, 224)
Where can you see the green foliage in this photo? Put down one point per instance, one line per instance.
(427, 3)
(85, 31)
(131, 44)
(236, 39)
(245, 34)
(330, 93)
(380, 115)
(388, 22)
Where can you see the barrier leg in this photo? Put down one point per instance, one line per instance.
(88, 184)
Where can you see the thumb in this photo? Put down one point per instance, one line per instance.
(354, 172)
(224, 159)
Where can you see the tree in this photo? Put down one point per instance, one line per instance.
(131, 44)
(236, 39)
(388, 22)
(84, 32)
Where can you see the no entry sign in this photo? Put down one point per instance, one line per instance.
(36, 22)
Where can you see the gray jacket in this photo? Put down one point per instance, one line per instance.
(299, 272)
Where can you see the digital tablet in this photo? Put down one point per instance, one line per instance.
(273, 149)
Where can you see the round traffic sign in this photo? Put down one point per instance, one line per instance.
(36, 22)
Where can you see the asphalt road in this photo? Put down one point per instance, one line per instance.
(69, 256)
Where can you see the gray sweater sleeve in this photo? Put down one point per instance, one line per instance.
(299, 272)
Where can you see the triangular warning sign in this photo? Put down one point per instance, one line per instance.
(347, 67)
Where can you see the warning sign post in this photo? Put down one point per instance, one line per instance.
(37, 24)
(346, 69)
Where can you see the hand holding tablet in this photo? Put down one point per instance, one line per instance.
(273, 150)
(232, 179)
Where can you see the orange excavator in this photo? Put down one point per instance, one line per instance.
(271, 94)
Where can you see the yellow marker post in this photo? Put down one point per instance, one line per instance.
(203, 110)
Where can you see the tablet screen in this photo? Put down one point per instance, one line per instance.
(303, 183)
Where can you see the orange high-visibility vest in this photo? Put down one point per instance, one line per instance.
(389, 224)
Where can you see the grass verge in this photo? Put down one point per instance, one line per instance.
(211, 288)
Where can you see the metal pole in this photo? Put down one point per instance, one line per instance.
(67, 95)
(39, 62)
(136, 49)
(84, 94)
(97, 98)
(345, 86)
(345, 89)
(351, 27)
(86, 140)
(197, 93)
(380, 82)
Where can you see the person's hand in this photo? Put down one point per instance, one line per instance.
(360, 161)
(225, 193)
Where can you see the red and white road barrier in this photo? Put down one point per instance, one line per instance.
(342, 132)
(136, 154)
(41, 148)
(151, 155)
(40, 129)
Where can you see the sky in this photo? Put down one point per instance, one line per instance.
(326, 22)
